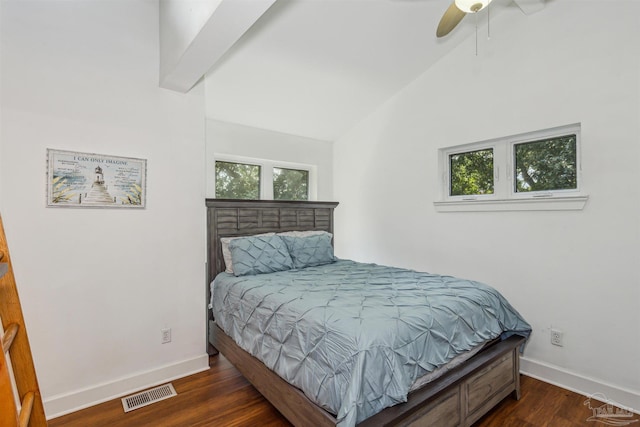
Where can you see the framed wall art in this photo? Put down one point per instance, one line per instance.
(94, 180)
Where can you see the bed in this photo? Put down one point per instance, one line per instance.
(459, 396)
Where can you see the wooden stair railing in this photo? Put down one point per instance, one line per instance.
(15, 343)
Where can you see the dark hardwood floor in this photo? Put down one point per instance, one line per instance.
(222, 397)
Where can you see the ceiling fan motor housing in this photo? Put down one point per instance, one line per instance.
(471, 6)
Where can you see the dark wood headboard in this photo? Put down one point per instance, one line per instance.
(231, 218)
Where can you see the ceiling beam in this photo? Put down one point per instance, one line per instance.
(530, 6)
(228, 22)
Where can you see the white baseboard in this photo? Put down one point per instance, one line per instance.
(62, 404)
(580, 384)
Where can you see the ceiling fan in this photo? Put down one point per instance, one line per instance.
(454, 14)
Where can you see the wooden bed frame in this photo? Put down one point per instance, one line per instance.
(458, 398)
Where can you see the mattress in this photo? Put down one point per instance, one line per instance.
(356, 337)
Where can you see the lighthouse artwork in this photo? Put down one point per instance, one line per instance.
(95, 180)
(98, 193)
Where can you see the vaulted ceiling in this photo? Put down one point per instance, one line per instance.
(313, 68)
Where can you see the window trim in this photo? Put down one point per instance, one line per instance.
(266, 173)
(505, 197)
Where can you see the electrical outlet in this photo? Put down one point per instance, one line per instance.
(166, 335)
(556, 337)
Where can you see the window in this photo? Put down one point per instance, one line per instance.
(247, 178)
(471, 173)
(547, 165)
(534, 171)
(237, 180)
(290, 184)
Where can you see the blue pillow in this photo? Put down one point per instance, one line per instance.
(310, 251)
(259, 254)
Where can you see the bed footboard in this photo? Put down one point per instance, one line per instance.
(458, 398)
(462, 398)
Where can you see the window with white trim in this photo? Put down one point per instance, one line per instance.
(237, 180)
(547, 165)
(533, 171)
(249, 178)
(290, 184)
(471, 172)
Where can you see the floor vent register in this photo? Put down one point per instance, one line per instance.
(148, 397)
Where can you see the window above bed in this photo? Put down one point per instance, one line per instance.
(254, 179)
(237, 180)
(290, 184)
(534, 171)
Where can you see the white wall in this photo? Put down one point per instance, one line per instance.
(237, 140)
(578, 270)
(98, 285)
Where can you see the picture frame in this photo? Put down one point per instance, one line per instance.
(88, 180)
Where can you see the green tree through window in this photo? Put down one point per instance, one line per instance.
(548, 164)
(290, 184)
(471, 173)
(237, 181)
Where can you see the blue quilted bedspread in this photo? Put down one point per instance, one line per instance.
(354, 337)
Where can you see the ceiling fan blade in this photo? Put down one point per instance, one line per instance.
(452, 17)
